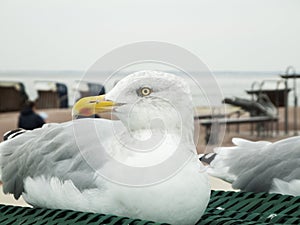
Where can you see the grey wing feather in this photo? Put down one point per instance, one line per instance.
(254, 165)
(50, 151)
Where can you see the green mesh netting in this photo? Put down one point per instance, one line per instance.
(224, 208)
(249, 208)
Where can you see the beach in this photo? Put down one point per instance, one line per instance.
(9, 120)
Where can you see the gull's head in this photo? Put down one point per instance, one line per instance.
(144, 99)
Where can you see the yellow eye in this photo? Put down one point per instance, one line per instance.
(145, 91)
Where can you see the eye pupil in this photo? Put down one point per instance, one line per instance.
(145, 91)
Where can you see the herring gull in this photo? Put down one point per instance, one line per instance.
(259, 166)
(63, 165)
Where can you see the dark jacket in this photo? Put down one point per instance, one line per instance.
(29, 120)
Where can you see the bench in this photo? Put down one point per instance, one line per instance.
(263, 123)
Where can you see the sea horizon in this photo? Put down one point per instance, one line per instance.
(229, 83)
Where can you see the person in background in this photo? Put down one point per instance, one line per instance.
(28, 118)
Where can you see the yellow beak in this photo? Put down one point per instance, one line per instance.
(92, 105)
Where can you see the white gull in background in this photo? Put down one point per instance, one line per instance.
(50, 168)
(259, 166)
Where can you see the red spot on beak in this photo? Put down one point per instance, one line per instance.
(86, 112)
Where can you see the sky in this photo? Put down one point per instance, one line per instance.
(248, 35)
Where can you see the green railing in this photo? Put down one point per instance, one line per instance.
(224, 208)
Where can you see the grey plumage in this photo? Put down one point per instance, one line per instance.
(252, 166)
(43, 155)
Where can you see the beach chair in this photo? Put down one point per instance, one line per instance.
(12, 96)
(51, 95)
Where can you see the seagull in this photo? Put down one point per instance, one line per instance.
(143, 165)
(260, 166)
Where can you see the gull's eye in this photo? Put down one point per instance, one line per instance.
(145, 91)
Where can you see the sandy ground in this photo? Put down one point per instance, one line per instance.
(8, 121)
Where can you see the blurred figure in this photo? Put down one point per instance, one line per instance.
(28, 118)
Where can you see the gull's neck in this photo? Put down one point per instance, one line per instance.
(181, 129)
